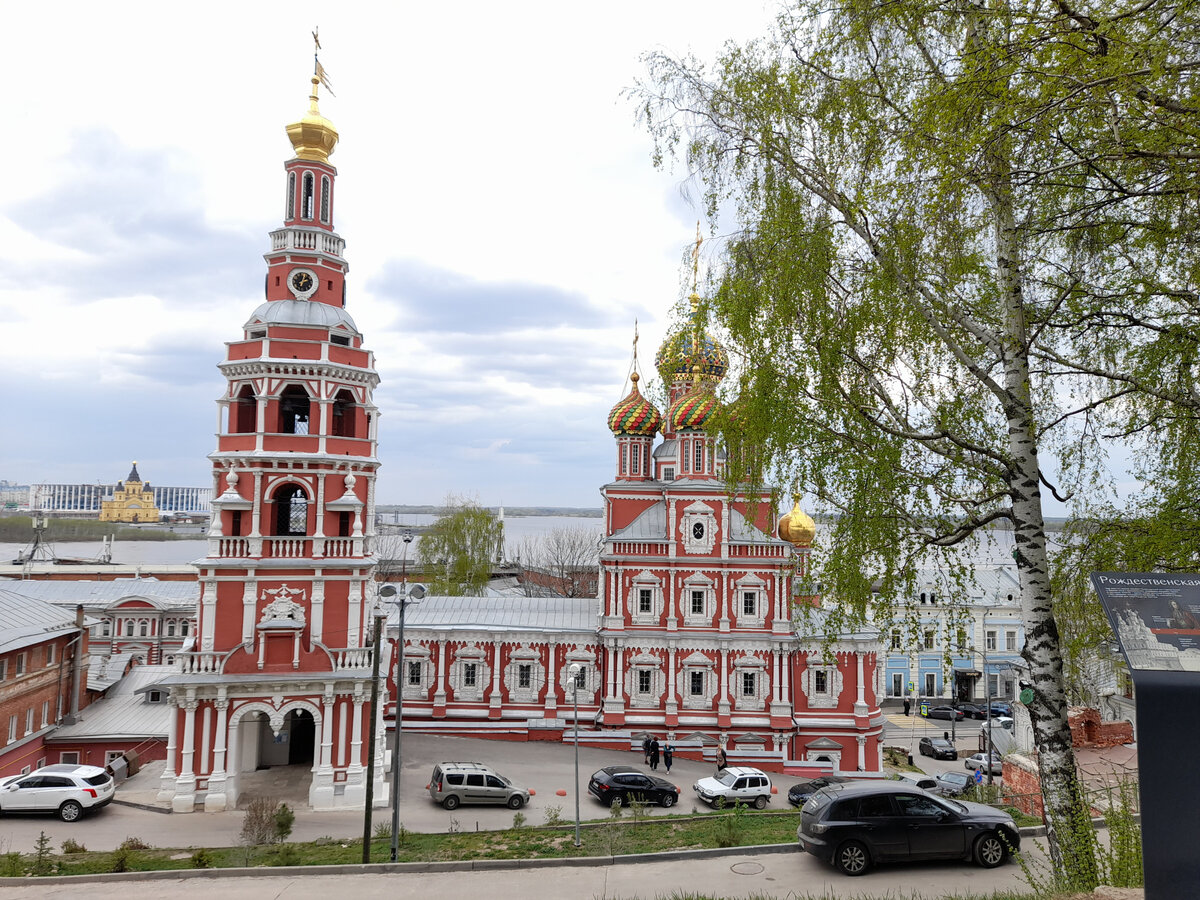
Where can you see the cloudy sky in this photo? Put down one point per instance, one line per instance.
(504, 226)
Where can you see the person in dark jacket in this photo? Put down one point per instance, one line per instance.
(654, 754)
(907, 705)
(721, 759)
(668, 755)
(646, 749)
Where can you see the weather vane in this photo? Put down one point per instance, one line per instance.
(318, 69)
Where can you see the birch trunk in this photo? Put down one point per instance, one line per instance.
(1052, 733)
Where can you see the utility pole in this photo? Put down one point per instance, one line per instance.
(366, 853)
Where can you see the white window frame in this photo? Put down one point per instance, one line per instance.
(50, 651)
(989, 640)
(110, 755)
(929, 641)
(12, 728)
(642, 666)
(751, 584)
(757, 667)
(645, 581)
(1010, 640)
(897, 684)
(29, 721)
(668, 473)
(699, 582)
(518, 659)
(895, 639)
(463, 657)
(930, 684)
(45, 713)
(19, 664)
(69, 757)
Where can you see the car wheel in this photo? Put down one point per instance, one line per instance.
(668, 800)
(516, 801)
(760, 802)
(990, 850)
(451, 802)
(852, 858)
(70, 811)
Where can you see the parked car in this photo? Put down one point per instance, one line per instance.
(973, 710)
(1000, 708)
(69, 790)
(944, 712)
(453, 783)
(625, 783)
(918, 779)
(736, 784)
(857, 825)
(801, 791)
(951, 784)
(979, 760)
(938, 748)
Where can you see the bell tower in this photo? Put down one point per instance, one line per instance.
(281, 673)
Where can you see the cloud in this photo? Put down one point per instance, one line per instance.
(134, 224)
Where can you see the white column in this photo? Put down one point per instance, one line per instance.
(439, 689)
(321, 794)
(354, 615)
(862, 752)
(723, 695)
(166, 789)
(494, 702)
(215, 799)
(860, 704)
(185, 793)
(249, 590)
(343, 713)
(205, 739)
(355, 789)
(208, 613)
(551, 679)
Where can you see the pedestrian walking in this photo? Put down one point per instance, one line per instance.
(907, 705)
(654, 754)
(668, 755)
(721, 759)
(646, 749)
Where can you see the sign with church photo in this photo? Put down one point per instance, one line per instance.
(1155, 616)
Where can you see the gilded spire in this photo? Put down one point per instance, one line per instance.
(314, 136)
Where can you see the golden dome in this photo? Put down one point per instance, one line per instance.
(314, 136)
(797, 527)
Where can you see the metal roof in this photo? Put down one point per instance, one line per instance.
(105, 671)
(548, 614)
(123, 713)
(743, 531)
(171, 595)
(651, 525)
(26, 621)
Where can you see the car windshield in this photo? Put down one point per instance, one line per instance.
(727, 779)
(97, 780)
(954, 805)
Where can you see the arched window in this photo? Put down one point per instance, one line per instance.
(306, 202)
(246, 411)
(293, 410)
(326, 187)
(291, 510)
(698, 448)
(344, 424)
(289, 205)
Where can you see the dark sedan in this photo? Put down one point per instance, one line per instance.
(855, 826)
(938, 748)
(973, 710)
(622, 783)
(944, 712)
(801, 791)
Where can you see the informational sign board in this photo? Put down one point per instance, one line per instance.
(1156, 619)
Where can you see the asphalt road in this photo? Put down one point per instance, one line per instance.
(788, 876)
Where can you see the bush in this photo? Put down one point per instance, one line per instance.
(10, 865)
(554, 815)
(72, 846)
(258, 827)
(202, 859)
(382, 830)
(730, 825)
(121, 859)
(41, 855)
(286, 855)
(133, 843)
(518, 820)
(283, 820)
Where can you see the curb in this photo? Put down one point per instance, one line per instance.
(413, 868)
(146, 806)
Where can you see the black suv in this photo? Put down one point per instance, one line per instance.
(938, 748)
(624, 783)
(800, 792)
(858, 824)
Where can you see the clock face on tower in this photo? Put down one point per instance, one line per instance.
(302, 283)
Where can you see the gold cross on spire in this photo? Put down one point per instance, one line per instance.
(696, 265)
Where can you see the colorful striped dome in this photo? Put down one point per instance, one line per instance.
(688, 348)
(693, 410)
(635, 414)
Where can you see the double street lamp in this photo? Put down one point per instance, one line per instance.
(401, 596)
(573, 672)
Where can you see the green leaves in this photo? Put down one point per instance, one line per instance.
(458, 550)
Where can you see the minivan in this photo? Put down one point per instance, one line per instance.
(453, 783)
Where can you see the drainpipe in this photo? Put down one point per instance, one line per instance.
(77, 666)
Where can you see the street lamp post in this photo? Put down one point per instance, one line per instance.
(573, 671)
(403, 597)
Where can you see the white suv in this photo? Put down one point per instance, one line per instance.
(736, 784)
(65, 789)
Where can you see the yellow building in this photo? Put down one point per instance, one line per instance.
(131, 501)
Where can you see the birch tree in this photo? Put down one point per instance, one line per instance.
(458, 549)
(947, 206)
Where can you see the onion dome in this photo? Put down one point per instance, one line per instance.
(314, 136)
(797, 527)
(685, 350)
(635, 414)
(692, 411)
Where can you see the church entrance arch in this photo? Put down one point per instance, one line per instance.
(263, 737)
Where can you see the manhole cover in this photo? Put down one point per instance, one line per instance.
(747, 868)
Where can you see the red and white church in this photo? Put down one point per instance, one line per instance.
(692, 637)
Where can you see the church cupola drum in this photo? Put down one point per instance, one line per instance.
(281, 672)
